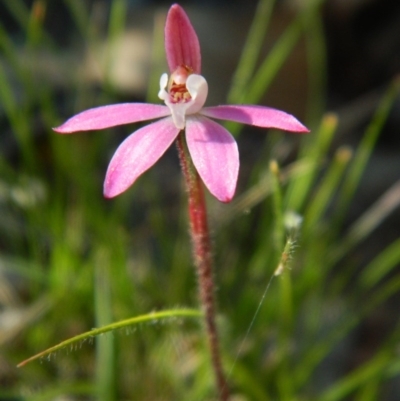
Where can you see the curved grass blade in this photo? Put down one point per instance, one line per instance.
(149, 317)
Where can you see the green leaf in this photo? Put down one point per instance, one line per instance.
(149, 317)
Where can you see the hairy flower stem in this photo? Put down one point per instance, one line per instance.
(203, 260)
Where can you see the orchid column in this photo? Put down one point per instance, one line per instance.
(207, 151)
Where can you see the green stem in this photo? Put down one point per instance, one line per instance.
(203, 261)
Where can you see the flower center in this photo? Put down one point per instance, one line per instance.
(184, 93)
(177, 85)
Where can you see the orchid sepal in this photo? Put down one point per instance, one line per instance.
(109, 116)
(182, 45)
(258, 116)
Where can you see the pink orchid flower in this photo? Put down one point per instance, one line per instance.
(212, 148)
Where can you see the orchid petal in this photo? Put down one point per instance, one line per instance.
(163, 94)
(258, 116)
(215, 155)
(111, 116)
(181, 43)
(136, 154)
(198, 89)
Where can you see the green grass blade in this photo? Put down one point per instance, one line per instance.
(312, 154)
(80, 15)
(364, 151)
(149, 317)
(273, 62)
(317, 67)
(245, 378)
(105, 358)
(327, 189)
(368, 222)
(284, 380)
(382, 265)
(116, 27)
(19, 11)
(251, 50)
(279, 54)
(370, 391)
(320, 349)
(10, 54)
(35, 33)
(361, 376)
(17, 116)
(379, 367)
(257, 193)
(158, 65)
(279, 229)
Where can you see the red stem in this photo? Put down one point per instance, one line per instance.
(203, 260)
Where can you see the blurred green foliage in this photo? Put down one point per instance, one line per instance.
(71, 261)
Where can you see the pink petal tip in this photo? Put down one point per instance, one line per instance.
(136, 154)
(111, 116)
(259, 116)
(215, 155)
(181, 43)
